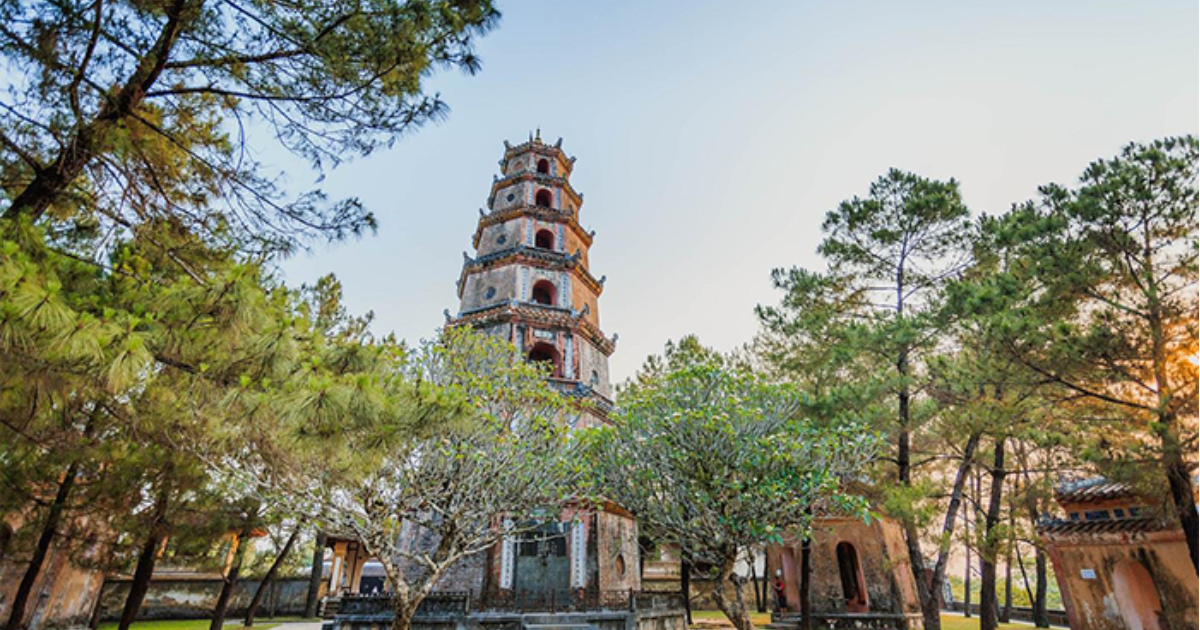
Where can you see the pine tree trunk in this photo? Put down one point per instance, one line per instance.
(230, 581)
(314, 577)
(929, 607)
(806, 584)
(1024, 578)
(49, 529)
(938, 576)
(146, 559)
(967, 570)
(988, 615)
(1041, 616)
(1181, 493)
(1174, 465)
(1006, 612)
(269, 577)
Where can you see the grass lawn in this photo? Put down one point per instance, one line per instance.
(709, 619)
(705, 618)
(201, 624)
(958, 622)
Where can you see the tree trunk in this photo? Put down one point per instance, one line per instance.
(267, 579)
(314, 577)
(146, 560)
(988, 615)
(1181, 495)
(685, 585)
(938, 576)
(1024, 577)
(806, 584)
(759, 603)
(49, 529)
(735, 609)
(403, 610)
(1041, 616)
(1174, 465)
(230, 581)
(967, 570)
(1006, 612)
(407, 600)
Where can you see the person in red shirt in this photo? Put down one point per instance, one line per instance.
(780, 596)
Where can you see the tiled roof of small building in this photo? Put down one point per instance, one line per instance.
(1093, 489)
(1119, 525)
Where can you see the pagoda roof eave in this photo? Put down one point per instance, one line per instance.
(534, 313)
(533, 256)
(549, 215)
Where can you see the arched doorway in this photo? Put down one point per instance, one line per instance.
(853, 587)
(544, 239)
(543, 352)
(544, 198)
(543, 292)
(543, 166)
(791, 579)
(1137, 597)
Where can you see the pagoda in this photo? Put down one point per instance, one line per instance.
(529, 281)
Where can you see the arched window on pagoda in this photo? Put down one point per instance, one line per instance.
(543, 166)
(544, 239)
(543, 352)
(544, 292)
(544, 198)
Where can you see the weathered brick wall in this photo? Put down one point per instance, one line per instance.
(503, 280)
(65, 592)
(592, 360)
(501, 236)
(196, 598)
(882, 560)
(63, 596)
(617, 552)
(1092, 602)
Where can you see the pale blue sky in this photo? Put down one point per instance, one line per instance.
(712, 137)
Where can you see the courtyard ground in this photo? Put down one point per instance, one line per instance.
(711, 619)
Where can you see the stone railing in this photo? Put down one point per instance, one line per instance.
(854, 621)
(441, 604)
(565, 600)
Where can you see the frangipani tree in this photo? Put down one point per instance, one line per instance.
(472, 449)
(714, 458)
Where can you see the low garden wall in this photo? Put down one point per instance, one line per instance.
(196, 598)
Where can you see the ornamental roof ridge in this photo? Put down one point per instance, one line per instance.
(499, 182)
(544, 314)
(568, 261)
(1091, 489)
(542, 213)
(535, 145)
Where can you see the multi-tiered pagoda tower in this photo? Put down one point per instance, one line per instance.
(529, 281)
